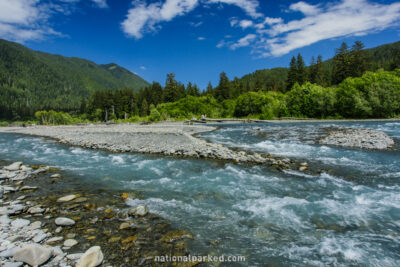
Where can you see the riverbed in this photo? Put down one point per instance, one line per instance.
(346, 212)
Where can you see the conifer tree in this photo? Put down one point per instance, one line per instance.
(292, 75)
(223, 90)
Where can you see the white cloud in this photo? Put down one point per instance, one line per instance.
(101, 3)
(346, 18)
(143, 17)
(249, 6)
(200, 38)
(245, 41)
(143, 68)
(23, 20)
(245, 23)
(304, 8)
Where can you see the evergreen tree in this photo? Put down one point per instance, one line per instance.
(292, 75)
(359, 59)
(223, 90)
(341, 64)
(301, 70)
(144, 111)
(210, 89)
(171, 91)
(83, 107)
(312, 72)
(320, 72)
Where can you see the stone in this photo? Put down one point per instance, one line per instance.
(124, 225)
(55, 239)
(26, 188)
(70, 236)
(35, 225)
(66, 198)
(57, 175)
(140, 210)
(70, 242)
(10, 252)
(74, 257)
(13, 264)
(80, 199)
(303, 168)
(58, 230)
(62, 221)
(4, 220)
(91, 258)
(19, 223)
(33, 254)
(39, 237)
(13, 167)
(35, 210)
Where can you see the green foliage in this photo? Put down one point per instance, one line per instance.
(53, 118)
(154, 114)
(374, 95)
(255, 103)
(191, 106)
(310, 100)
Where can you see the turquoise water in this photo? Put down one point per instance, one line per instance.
(348, 214)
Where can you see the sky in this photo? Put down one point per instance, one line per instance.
(197, 39)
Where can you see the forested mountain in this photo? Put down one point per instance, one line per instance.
(31, 80)
(386, 57)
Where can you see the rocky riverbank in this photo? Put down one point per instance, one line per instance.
(171, 139)
(357, 138)
(46, 220)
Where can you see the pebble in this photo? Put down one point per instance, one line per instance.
(62, 221)
(19, 223)
(66, 198)
(13, 167)
(140, 210)
(70, 242)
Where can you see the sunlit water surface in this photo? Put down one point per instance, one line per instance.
(349, 214)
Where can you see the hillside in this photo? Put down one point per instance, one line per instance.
(383, 56)
(31, 80)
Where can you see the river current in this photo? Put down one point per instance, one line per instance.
(345, 214)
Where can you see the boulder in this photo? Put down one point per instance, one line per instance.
(13, 167)
(140, 210)
(33, 254)
(91, 258)
(62, 221)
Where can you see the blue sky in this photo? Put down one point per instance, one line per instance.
(197, 39)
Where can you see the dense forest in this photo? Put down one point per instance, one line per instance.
(355, 83)
(30, 81)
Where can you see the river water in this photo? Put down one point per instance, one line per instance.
(345, 213)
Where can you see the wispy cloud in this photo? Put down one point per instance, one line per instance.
(143, 17)
(24, 20)
(201, 38)
(101, 3)
(143, 68)
(322, 22)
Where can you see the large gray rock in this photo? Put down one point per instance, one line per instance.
(62, 221)
(33, 254)
(13, 167)
(91, 258)
(140, 210)
(13, 264)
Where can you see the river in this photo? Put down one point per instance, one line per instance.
(345, 211)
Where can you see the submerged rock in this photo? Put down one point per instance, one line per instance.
(66, 198)
(91, 258)
(33, 255)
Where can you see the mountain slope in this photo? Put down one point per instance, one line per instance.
(31, 80)
(383, 56)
